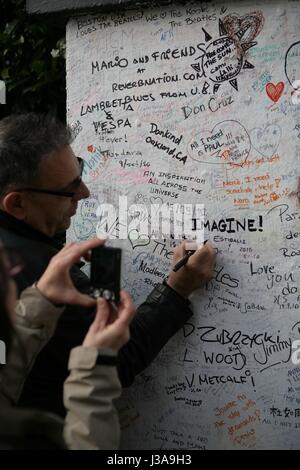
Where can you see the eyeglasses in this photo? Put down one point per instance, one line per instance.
(59, 193)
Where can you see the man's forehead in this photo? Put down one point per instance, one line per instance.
(59, 164)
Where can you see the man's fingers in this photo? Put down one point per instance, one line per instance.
(179, 253)
(206, 251)
(212, 250)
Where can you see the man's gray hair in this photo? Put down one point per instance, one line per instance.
(25, 140)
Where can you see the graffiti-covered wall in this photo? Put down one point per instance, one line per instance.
(198, 104)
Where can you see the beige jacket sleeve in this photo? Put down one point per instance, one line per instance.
(35, 323)
(91, 421)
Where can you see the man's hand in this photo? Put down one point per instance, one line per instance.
(197, 271)
(110, 329)
(56, 283)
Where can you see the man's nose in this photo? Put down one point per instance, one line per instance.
(83, 191)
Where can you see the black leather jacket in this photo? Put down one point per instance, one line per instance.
(162, 314)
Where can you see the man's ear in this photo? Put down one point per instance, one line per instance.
(13, 204)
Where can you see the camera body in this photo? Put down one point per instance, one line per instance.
(106, 273)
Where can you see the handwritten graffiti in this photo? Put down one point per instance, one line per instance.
(223, 59)
(266, 140)
(228, 142)
(292, 63)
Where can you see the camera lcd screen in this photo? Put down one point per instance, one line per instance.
(106, 271)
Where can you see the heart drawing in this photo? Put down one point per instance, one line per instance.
(266, 140)
(227, 143)
(274, 92)
(244, 28)
(137, 239)
(83, 229)
(156, 200)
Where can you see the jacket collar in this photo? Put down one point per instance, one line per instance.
(11, 224)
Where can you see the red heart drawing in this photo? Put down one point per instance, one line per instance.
(274, 92)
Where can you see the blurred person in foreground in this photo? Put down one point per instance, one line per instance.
(27, 325)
